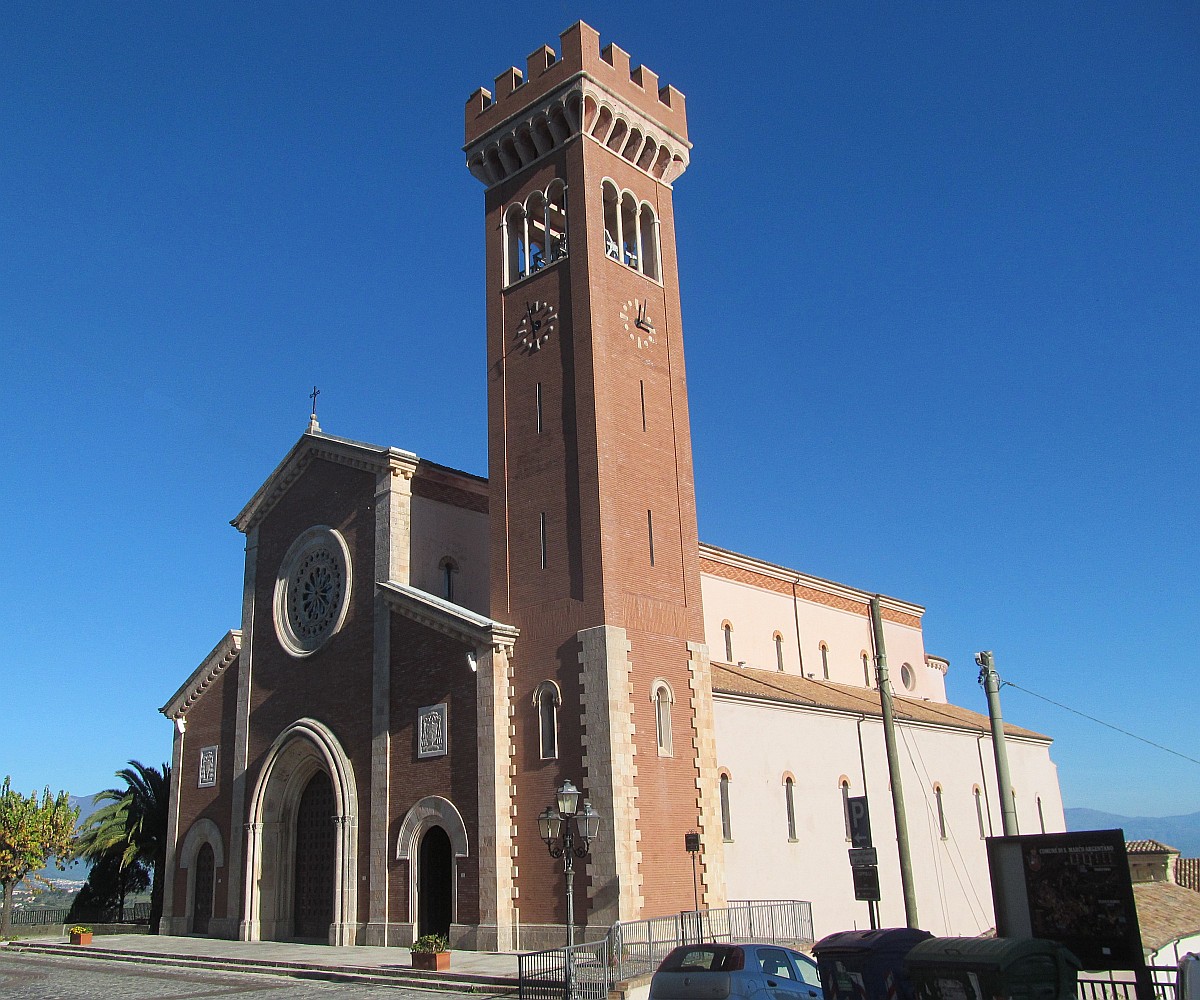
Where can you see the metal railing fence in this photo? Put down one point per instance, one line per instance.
(134, 913)
(1120, 985)
(637, 947)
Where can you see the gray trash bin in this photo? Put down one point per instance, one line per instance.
(992, 969)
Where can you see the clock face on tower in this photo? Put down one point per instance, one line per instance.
(637, 322)
(536, 325)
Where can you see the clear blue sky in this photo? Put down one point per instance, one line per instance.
(939, 270)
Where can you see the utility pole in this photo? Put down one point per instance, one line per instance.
(893, 758)
(991, 684)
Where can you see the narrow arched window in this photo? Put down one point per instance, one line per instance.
(824, 661)
(630, 248)
(791, 807)
(726, 826)
(535, 232)
(662, 698)
(449, 571)
(612, 221)
(1041, 816)
(1016, 818)
(778, 650)
(556, 220)
(866, 662)
(728, 629)
(941, 811)
(547, 699)
(514, 243)
(648, 234)
(979, 812)
(845, 788)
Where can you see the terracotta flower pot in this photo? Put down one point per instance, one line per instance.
(84, 938)
(431, 961)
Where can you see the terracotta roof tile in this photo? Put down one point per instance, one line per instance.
(1187, 873)
(795, 690)
(1165, 912)
(1148, 847)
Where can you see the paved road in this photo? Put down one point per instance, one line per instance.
(43, 977)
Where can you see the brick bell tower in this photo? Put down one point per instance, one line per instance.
(594, 551)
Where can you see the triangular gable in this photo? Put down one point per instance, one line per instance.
(213, 665)
(315, 444)
(446, 617)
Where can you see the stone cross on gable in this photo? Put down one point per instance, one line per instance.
(313, 426)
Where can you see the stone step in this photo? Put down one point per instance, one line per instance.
(379, 975)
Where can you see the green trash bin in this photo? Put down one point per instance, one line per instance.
(992, 969)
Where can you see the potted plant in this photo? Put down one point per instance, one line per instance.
(431, 952)
(80, 934)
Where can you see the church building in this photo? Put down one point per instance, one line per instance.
(425, 656)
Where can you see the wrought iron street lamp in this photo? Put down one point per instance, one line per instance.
(560, 826)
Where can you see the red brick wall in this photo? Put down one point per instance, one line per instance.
(332, 685)
(429, 668)
(210, 722)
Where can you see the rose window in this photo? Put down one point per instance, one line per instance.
(311, 594)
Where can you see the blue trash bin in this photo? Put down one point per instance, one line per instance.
(867, 965)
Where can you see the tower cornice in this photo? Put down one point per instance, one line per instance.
(585, 92)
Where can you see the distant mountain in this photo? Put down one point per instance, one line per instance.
(1180, 832)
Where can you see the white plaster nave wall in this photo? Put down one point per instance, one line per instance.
(758, 742)
(756, 614)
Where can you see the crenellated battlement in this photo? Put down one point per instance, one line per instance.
(581, 53)
(586, 89)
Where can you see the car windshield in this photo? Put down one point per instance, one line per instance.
(703, 958)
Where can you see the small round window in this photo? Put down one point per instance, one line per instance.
(907, 678)
(312, 591)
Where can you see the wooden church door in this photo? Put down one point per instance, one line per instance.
(435, 899)
(205, 872)
(313, 907)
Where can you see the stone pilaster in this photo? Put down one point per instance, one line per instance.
(393, 516)
(610, 770)
(168, 923)
(236, 872)
(704, 742)
(497, 832)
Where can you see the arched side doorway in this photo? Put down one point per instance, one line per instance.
(201, 855)
(302, 841)
(202, 904)
(432, 838)
(435, 873)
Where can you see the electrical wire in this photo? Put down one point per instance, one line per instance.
(1092, 718)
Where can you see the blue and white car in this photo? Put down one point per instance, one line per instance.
(718, 971)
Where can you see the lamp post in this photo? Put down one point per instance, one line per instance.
(560, 825)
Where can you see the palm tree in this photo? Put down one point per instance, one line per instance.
(134, 823)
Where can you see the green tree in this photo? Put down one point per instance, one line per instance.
(32, 831)
(102, 897)
(133, 826)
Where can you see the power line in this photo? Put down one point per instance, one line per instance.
(1092, 718)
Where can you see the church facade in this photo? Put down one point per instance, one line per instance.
(425, 655)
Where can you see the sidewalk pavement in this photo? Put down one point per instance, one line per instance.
(489, 965)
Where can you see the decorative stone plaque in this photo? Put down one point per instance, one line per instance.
(208, 767)
(431, 731)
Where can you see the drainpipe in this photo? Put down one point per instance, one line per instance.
(893, 758)
(796, 615)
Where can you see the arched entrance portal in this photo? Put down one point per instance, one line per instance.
(432, 839)
(435, 897)
(302, 841)
(312, 908)
(205, 874)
